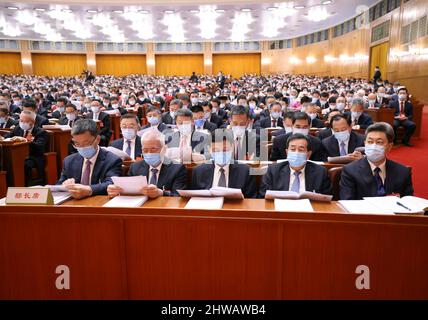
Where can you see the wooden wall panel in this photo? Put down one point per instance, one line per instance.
(121, 64)
(179, 64)
(46, 64)
(10, 63)
(237, 64)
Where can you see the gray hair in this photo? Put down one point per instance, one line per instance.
(357, 102)
(29, 113)
(184, 113)
(153, 134)
(382, 127)
(85, 125)
(177, 102)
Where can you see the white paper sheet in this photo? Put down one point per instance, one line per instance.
(228, 193)
(120, 153)
(60, 197)
(126, 202)
(215, 203)
(56, 188)
(391, 204)
(303, 205)
(362, 207)
(194, 193)
(275, 194)
(130, 185)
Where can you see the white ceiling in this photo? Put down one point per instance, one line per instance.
(140, 21)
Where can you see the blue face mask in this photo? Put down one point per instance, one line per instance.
(153, 121)
(152, 159)
(199, 122)
(222, 158)
(296, 159)
(128, 134)
(87, 152)
(2, 120)
(374, 152)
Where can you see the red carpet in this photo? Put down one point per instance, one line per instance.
(417, 158)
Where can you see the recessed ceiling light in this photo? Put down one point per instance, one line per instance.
(12, 8)
(326, 2)
(67, 10)
(118, 11)
(168, 11)
(144, 11)
(299, 7)
(92, 11)
(220, 10)
(271, 8)
(194, 11)
(40, 9)
(246, 10)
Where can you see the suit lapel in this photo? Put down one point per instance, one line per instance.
(309, 177)
(284, 178)
(233, 176)
(97, 166)
(77, 167)
(389, 188)
(163, 174)
(367, 176)
(352, 142)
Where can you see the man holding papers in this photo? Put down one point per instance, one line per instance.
(296, 174)
(88, 172)
(164, 177)
(222, 172)
(130, 143)
(375, 175)
(344, 141)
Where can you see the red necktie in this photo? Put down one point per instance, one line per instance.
(274, 123)
(402, 107)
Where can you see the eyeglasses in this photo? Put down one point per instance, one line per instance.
(77, 145)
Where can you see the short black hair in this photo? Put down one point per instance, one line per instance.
(153, 108)
(337, 117)
(70, 105)
(5, 111)
(299, 136)
(289, 115)
(301, 116)
(129, 116)
(184, 113)
(29, 103)
(197, 108)
(236, 110)
(305, 99)
(382, 127)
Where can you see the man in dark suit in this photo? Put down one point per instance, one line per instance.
(169, 116)
(311, 110)
(377, 74)
(296, 174)
(30, 105)
(210, 116)
(130, 143)
(220, 108)
(246, 142)
(201, 124)
(375, 175)
(403, 115)
(372, 102)
(274, 120)
(186, 140)
(359, 119)
(88, 172)
(164, 177)
(6, 121)
(223, 171)
(97, 115)
(381, 98)
(327, 132)
(344, 141)
(154, 119)
(27, 131)
(220, 79)
(301, 122)
(60, 107)
(70, 115)
(114, 105)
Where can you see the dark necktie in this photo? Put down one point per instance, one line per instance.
(237, 146)
(128, 148)
(380, 188)
(154, 178)
(222, 180)
(402, 107)
(86, 173)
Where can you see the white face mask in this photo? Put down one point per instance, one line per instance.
(185, 129)
(238, 131)
(305, 132)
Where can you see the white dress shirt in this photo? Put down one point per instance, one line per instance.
(301, 178)
(93, 160)
(217, 174)
(125, 146)
(382, 172)
(95, 116)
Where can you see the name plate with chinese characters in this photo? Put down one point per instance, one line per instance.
(29, 196)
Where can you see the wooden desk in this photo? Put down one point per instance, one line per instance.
(61, 140)
(115, 125)
(14, 155)
(382, 115)
(245, 251)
